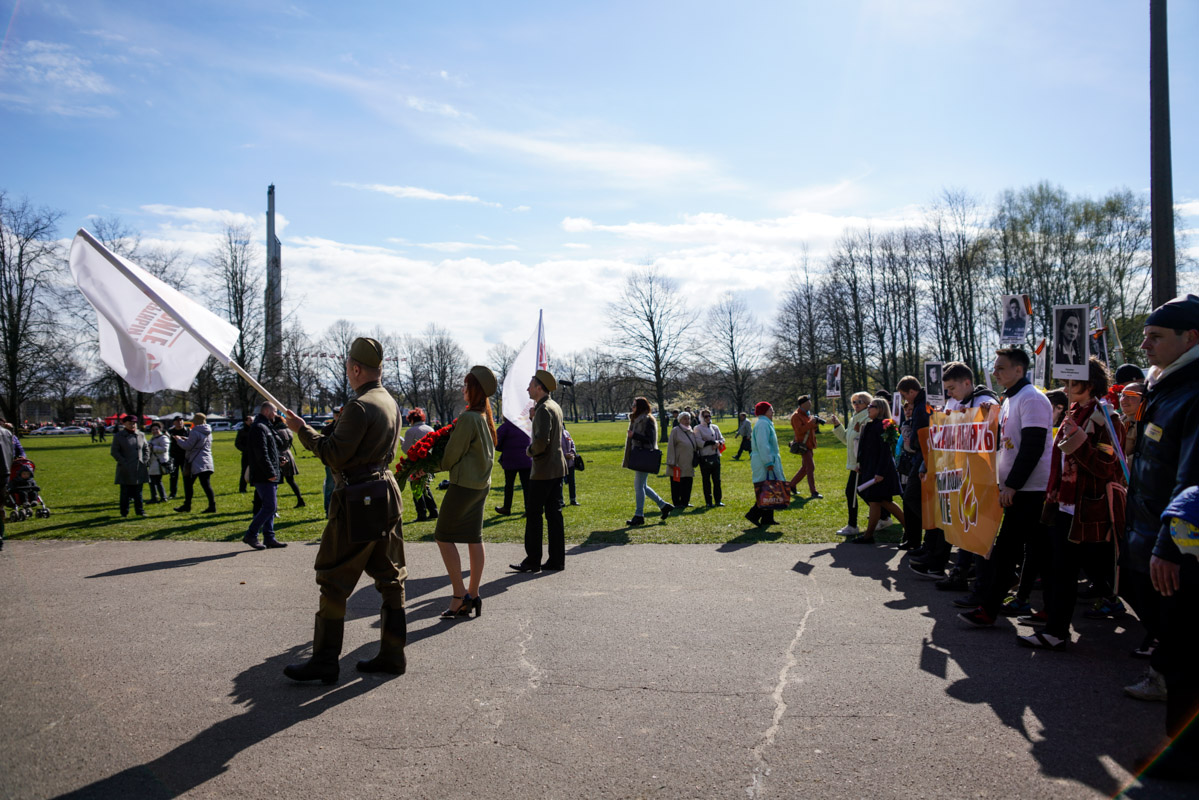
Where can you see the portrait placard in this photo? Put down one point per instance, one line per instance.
(1015, 318)
(1040, 358)
(832, 381)
(934, 385)
(1070, 343)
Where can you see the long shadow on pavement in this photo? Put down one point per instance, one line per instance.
(1082, 713)
(273, 704)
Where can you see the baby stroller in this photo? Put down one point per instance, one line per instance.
(24, 495)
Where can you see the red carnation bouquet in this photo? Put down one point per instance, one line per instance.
(424, 457)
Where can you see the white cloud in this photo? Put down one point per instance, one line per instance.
(1188, 208)
(211, 219)
(521, 209)
(577, 246)
(55, 65)
(789, 233)
(628, 162)
(417, 193)
(457, 247)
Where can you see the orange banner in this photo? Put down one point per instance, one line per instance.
(960, 494)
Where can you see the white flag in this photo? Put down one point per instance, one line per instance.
(518, 406)
(151, 334)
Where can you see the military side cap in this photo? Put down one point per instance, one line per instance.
(367, 352)
(486, 379)
(547, 380)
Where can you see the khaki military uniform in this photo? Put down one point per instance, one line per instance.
(543, 498)
(362, 445)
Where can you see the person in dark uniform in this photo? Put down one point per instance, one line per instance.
(360, 448)
(132, 454)
(544, 495)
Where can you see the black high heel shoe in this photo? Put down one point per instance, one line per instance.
(468, 603)
(476, 603)
(452, 612)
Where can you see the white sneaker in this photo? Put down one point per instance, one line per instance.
(1152, 687)
(848, 530)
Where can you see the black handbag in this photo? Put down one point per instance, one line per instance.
(798, 448)
(580, 465)
(645, 460)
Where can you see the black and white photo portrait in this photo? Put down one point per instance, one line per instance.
(1015, 319)
(934, 387)
(832, 381)
(1070, 339)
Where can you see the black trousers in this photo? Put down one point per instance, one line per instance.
(156, 490)
(569, 480)
(744, 448)
(189, 482)
(913, 523)
(510, 476)
(175, 479)
(1180, 661)
(996, 574)
(1137, 589)
(680, 491)
(543, 499)
(851, 499)
(242, 485)
(709, 470)
(131, 491)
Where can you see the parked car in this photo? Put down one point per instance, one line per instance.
(622, 415)
(74, 429)
(49, 430)
(222, 425)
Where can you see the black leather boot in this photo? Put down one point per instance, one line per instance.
(391, 658)
(326, 647)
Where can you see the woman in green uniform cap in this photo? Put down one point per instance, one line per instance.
(469, 456)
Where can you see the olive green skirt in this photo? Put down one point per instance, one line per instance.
(460, 518)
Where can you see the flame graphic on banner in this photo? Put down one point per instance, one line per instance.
(968, 509)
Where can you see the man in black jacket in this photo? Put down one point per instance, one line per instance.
(263, 454)
(1159, 581)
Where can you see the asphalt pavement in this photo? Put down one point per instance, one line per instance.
(154, 670)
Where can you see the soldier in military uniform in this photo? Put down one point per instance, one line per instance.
(360, 448)
(544, 496)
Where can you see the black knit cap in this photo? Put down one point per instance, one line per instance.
(1180, 314)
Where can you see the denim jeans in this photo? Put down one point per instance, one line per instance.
(641, 489)
(264, 518)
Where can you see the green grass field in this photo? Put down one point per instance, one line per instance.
(76, 479)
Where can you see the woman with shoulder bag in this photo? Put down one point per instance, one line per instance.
(849, 434)
(682, 456)
(876, 467)
(160, 462)
(764, 460)
(711, 445)
(641, 455)
(1084, 506)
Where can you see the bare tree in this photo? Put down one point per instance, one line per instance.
(236, 284)
(447, 366)
(29, 262)
(736, 349)
(652, 323)
(299, 376)
(335, 346)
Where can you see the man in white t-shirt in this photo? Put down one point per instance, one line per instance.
(1025, 421)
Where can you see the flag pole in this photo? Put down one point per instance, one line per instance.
(165, 306)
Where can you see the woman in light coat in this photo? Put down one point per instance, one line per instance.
(682, 452)
(160, 445)
(197, 449)
(642, 435)
(765, 460)
(848, 434)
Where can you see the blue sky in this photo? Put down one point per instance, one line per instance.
(467, 163)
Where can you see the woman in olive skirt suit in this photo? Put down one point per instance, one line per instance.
(469, 456)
